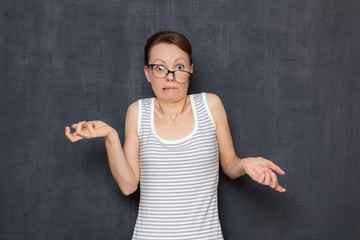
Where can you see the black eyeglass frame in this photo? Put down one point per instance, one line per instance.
(169, 71)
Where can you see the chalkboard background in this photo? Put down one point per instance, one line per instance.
(287, 72)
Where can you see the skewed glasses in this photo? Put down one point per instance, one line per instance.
(159, 71)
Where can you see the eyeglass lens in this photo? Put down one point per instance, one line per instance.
(161, 72)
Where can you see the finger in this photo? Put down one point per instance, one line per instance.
(90, 128)
(80, 131)
(276, 168)
(280, 189)
(262, 177)
(75, 125)
(67, 132)
(274, 182)
(267, 177)
(79, 127)
(85, 132)
(70, 136)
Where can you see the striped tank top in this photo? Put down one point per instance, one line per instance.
(178, 178)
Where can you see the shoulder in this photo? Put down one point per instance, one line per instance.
(133, 111)
(213, 101)
(216, 107)
(133, 107)
(132, 115)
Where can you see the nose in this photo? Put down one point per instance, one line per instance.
(170, 77)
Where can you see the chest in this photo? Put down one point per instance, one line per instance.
(172, 129)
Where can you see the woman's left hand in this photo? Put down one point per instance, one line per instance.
(262, 170)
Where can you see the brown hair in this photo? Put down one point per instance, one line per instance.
(167, 37)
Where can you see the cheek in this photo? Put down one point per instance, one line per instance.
(156, 87)
(185, 87)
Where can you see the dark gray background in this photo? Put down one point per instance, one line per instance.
(287, 72)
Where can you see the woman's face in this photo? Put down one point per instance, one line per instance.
(173, 58)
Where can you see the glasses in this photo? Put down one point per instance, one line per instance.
(159, 71)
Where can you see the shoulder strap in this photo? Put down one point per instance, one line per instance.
(144, 119)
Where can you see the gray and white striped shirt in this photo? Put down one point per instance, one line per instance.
(178, 178)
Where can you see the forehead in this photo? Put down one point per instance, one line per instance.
(167, 52)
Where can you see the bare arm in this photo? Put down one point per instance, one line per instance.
(259, 169)
(123, 162)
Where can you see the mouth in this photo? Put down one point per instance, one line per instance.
(169, 88)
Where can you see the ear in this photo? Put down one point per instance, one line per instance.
(147, 73)
(192, 68)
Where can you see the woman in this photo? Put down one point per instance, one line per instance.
(172, 145)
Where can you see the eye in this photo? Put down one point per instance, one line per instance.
(180, 67)
(160, 68)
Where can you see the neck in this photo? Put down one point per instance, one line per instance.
(172, 109)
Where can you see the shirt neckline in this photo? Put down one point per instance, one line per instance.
(175, 141)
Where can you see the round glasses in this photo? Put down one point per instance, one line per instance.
(160, 71)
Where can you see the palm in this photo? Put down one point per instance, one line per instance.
(262, 170)
(91, 129)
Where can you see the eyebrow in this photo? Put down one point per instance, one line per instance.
(157, 59)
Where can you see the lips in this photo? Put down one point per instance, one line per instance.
(169, 88)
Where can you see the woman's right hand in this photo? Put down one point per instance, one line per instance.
(88, 130)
